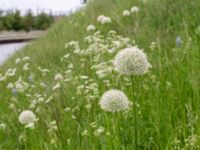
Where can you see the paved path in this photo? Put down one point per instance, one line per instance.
(14, 37)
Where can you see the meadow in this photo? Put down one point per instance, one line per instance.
(116, 75)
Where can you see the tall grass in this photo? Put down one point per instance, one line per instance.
(167, 98)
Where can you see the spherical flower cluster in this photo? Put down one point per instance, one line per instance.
(27, 117)
(134, 9)
(58, 77)
(91, 28)
(131, 61)
(126, 13)
(114, 101)
(104, 19)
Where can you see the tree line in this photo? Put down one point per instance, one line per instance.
(13, 20)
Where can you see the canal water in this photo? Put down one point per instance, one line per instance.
(6, 50)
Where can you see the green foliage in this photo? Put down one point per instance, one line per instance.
(28, 21)
(14, 21)
(43, 21)
(167, 97)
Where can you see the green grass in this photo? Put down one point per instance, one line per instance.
(167, 97)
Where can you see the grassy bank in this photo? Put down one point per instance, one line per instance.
(166, 99)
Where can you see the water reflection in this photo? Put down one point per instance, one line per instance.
(6, 50)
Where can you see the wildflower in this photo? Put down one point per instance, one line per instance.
(104, 19)
(52, 126)
(2, 78)
(85, 132)
(26, 58)
(91, 28)
(192, 142)
(57, 86)
(178, 41)
(58, 77)
(21, 86)
(66, 56)
(153, 45)
(198, 30)
(26, 117)
(134, 9)
(30, 125)
(14, 91)
(30, 78)
(10, 85)
(26, 67)
(114, 100)
(17, 61)
(99, 131)
(131, 61)
(100, 18)
(126, 13)
(42, 84)
(2, 126)
(10, 72)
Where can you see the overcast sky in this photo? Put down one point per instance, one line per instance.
(55, 5)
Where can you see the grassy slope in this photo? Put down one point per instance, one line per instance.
(166, 112)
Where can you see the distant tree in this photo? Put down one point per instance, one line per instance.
(43, 21)
(1, 20)
(7, 20)
(12, 21)
(28, 21)
(17, 21)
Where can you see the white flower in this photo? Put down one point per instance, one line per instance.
(10, 72)
(27, 117)
(66, 56)
(100, 18)
(2, 126)
(99, 131)
(114, 100)
(26, 58)
(26, 67)
(126, 13)
(131, 61)
(198, 30)
(57, 86)
(10, 85)
(17, 60)
(91, 28)
(104, 19)
(58, 77)
(134, 9)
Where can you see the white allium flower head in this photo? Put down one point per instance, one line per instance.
(131, 61)
(134, 9)
(91, 28)
(114, 101)
(58, 77)
(126, 13)
(104, 19)
(27, 117)
(99, 19)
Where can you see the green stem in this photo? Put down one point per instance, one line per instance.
(135, 116)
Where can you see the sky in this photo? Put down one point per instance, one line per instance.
(57, 6)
